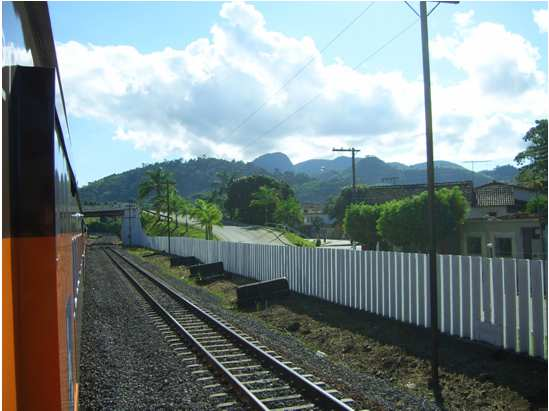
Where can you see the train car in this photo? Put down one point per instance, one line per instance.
(43, 241)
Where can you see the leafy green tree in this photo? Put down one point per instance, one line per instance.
(220, 187)
(289, 212)
(345, 197)
(360, 224)
(317, 224)
(265, 199)
(533, 173)
(240, 196)
(403, 223)
(207, 215)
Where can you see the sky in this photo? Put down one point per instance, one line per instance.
(148, 81)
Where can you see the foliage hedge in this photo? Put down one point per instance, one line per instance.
(105, 226)
(404, 223)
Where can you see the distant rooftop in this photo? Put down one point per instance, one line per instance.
(382, 194)
(493, 194)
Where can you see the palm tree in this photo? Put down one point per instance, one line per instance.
(220, 187)
(208, 215)
(154, 186)
(184, 208)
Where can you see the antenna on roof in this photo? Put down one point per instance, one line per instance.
(473, 162)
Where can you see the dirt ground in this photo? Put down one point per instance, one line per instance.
(473, 376)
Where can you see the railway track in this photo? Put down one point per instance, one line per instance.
(237, 370)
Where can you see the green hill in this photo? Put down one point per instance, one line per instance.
(197, 176)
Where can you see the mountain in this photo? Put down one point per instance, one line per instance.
(439, 164)
(197, 176)
(502, 173)
(193, 177)
(316, 167)
(274, 161)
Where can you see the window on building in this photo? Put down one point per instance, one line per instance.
(474, 246)
(504, 247)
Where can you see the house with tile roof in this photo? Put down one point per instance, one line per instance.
(496, 224)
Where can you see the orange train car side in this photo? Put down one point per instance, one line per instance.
(43, 238)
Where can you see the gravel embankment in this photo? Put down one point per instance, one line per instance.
(368, 391)
(125, 364)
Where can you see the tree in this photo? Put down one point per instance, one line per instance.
(240, 195)
(267, 200)
(403, 223)
(289, 213)
(533, 173)
(220, 187)
(538, 206)
(338, 206)
(317, 224)
(153, 189)
(360, 224)
(208, 215)
(184, 208)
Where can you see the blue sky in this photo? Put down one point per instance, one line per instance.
(190, 72)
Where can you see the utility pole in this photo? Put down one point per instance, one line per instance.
(473, 162)
(168, 224)
(430, 190)
(130, 218)
(353, 151)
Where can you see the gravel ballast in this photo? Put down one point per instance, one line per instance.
(368, 391)
(125, 363)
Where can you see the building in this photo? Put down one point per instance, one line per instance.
(382, 194)
(313, 212)
(496, 224)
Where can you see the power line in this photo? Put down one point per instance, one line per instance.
(371, 55)
(298, 72)
(397, 35)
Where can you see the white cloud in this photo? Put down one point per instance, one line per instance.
(188, 102)
(500, 62)
(485, 115)
(464, 18)
(541, 18)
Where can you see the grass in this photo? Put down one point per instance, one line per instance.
(161, 228)
(298, 241)
(225, 291)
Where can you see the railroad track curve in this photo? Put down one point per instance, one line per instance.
(238, 370)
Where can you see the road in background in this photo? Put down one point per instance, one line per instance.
(249, 234)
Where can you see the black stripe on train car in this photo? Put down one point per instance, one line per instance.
(30, 188)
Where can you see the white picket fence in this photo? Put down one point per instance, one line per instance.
(501, 301)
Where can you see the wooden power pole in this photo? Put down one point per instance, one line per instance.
(353, 151)
(430, 189)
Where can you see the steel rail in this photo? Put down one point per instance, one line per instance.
(312, 391)
(248, 396)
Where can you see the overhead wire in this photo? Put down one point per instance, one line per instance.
(368, 57)
(301, 70)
